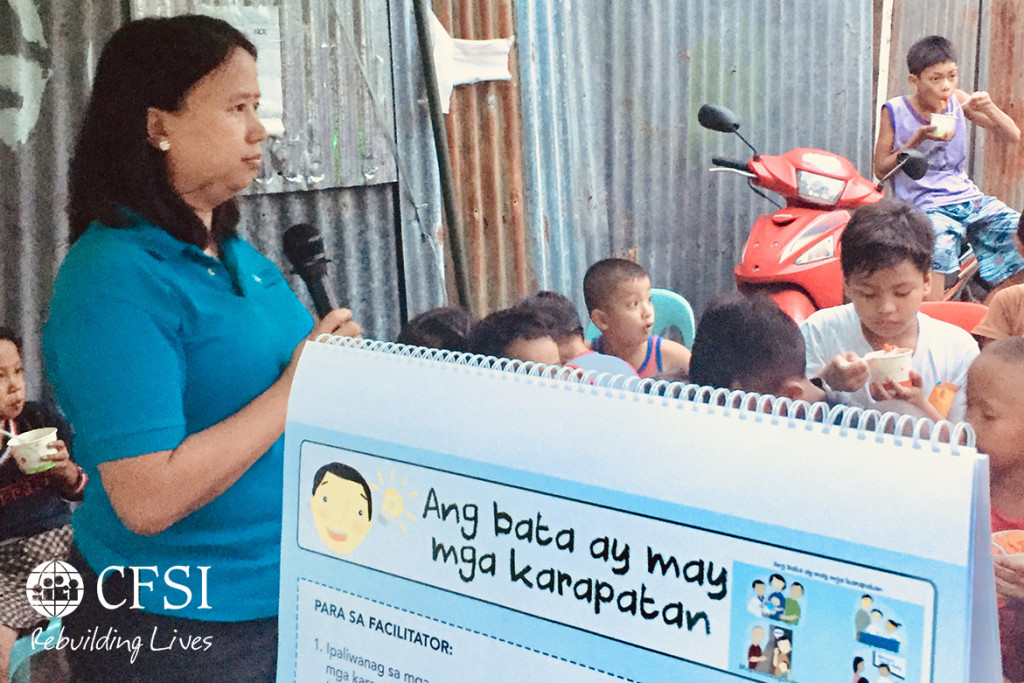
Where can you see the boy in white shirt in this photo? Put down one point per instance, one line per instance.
(886, 254)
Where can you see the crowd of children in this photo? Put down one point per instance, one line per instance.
(749, 344)
(546, 328)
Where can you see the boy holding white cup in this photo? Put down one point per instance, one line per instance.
(885, 253)
(933, 120)
(35, 512)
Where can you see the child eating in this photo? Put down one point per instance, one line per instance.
(995, 408)
(35, 513)
(886, 261)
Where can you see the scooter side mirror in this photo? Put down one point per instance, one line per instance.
(913, 163)
(714, 117)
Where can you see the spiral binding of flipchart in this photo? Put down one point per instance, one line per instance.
(864, 423)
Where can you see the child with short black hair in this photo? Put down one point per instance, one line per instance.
(35, 511)
(618, 296)
(749, 343)
(1005, 316)
(885, 257)
(445, 327)
(957, 209)
(514, 333)
(558, 313)
(995, 409)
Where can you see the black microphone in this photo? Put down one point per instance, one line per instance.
(304, 248)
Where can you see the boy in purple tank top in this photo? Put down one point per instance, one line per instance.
(956, 207)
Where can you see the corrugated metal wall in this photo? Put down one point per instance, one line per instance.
(591, 149)
(379, 233)
(422, 267)
(999, 168)
(33, 167)
(485, 146)
(614, 160)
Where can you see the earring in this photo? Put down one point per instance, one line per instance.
(164, 145)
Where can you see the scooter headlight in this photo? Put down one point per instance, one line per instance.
(819, 189)
(822, 250)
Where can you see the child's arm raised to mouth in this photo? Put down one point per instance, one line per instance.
(982, 111)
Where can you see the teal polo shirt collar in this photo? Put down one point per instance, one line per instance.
(162, 245)
(154, 240)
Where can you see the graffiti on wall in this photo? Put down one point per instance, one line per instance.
(22, 75)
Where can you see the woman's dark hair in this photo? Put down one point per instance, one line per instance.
(8, 334)
(152, 62)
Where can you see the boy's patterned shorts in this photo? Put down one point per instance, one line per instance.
(988, 225)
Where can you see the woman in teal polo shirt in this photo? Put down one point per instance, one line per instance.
(171, 345)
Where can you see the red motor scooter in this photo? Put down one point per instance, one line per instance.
(792, 254)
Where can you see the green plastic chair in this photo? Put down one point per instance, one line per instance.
(670, 310)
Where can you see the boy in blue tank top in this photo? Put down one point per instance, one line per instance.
(618, 297)
(956, 207)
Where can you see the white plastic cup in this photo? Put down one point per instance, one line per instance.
(944, 125)
(886, 366)
(30, 448)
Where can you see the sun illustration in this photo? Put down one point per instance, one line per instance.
(393, 503)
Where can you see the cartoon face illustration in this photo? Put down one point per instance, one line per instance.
(341, 506)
